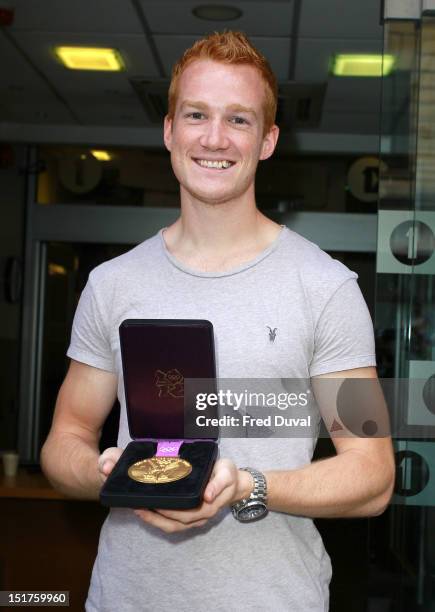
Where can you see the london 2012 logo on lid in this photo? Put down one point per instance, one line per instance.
(170, 383)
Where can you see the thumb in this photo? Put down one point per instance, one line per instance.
(221, 478)
(108, 459)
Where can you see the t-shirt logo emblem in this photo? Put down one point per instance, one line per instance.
(272, 333)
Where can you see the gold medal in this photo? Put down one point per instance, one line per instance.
(159, 470)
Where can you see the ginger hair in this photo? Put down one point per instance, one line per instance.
(228, 47)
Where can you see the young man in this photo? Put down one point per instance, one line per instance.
(224, 261)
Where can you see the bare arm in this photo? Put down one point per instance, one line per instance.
(358, 481)
(70, 454)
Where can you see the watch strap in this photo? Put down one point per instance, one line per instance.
(258, 495)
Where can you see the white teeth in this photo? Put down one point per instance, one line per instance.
(214, 164)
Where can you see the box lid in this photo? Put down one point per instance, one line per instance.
(157, 356)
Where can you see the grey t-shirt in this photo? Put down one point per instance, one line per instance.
(322, 325)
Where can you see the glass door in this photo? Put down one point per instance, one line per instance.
(403, 541)
(12, 211)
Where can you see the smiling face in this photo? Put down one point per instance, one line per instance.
(216, 135)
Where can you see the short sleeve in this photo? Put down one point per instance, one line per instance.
(90, 340)
(343, 338)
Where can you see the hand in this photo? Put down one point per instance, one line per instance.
(226, 486)
(107, 461)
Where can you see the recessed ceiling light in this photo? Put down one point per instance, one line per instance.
(89, 58)
(362, 65)
(217, 12)
(101, 155)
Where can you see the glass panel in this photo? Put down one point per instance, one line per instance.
(12, 202)
(66, 272)
(128, 177)
(402, 573)
(136, 177)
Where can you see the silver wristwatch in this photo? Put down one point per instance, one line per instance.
(253, 507)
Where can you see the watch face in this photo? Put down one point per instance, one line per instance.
(252, 513)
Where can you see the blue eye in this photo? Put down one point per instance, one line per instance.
(239, 120)
(195, 115)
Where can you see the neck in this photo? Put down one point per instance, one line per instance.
(219, 236)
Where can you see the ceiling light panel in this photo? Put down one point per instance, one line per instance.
(277, 51)
(270, 18)
(88, 84)
(90, 58)
(98, 98)
(314, 55)
(362, 65)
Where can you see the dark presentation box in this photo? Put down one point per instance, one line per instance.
(157, 356)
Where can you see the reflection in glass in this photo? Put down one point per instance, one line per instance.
(66, 273)
(118, 176)
(402, 573)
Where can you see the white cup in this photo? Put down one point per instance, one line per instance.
(10, 463)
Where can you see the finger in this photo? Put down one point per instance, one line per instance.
(187, 517)
(183, 525)
(165, 524)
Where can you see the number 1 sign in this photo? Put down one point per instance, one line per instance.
(406, 242)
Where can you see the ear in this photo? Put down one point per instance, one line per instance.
(167, 132)
(269, 142)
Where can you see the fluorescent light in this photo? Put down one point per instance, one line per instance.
(361, 65)
(101, 155)
(89, 58)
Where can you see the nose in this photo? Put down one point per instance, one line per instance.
(214, 136)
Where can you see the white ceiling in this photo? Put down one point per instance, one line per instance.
(297, 36)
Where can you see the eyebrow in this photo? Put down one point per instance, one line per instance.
(237, 108)
(193, 103)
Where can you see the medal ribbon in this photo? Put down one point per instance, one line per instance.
(168, 448)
